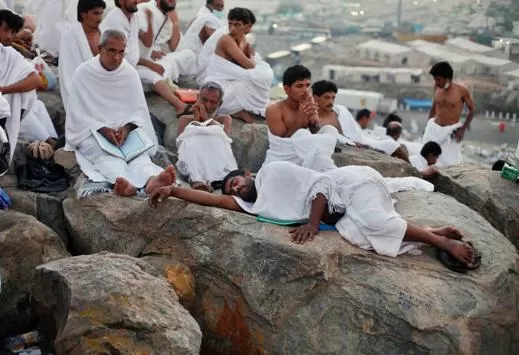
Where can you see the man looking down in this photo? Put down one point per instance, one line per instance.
(106, 98)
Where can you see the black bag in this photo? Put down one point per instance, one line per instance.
(38, 175)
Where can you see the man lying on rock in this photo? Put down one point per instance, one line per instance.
(106, 104)
(354, 198)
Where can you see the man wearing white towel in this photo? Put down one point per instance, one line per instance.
(203, 143)
(106, 98)
(245, 78)
(124, 18)
(292, 122)
(354, 198)
(353, 128)
(80, 43)
(444, 126)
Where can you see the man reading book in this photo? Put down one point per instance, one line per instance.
(108, 124)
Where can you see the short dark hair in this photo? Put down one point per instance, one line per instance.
(392, 117)
(362, 113)
(393, 130)
(498, 165)
(229, 177)
(431, 148)
(296, 73)
(12, 20)
(241, 14)
(211, 85)
(442, 69)
(321, 87)
(88, 5)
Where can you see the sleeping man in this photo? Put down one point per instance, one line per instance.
(354, 198)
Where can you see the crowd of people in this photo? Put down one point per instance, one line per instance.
(105, 63)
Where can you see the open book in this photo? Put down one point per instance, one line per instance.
(135, 144)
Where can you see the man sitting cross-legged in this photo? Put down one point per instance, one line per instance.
(203, 142)
(246, 81)
(106, 98)
(353, 198)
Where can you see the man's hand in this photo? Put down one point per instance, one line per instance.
(156, 55)
(304, 233)
(458, 135)
(250, 52)
(109, 134)
(157, 68)
(121, 135)
(429, 172)
(173, 16)
(159, 195)
(199, 112)
(149, 15)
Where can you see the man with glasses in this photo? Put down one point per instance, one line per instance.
(204, 146)
(106, 105)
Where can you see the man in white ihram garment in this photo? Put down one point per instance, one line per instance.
(106, 98)
(203, 142)
(125, 18)
(354, 198)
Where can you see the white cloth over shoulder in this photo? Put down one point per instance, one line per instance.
(191, 39)
(313, 151)
(204, 153)
(418, 161)
(117, 20)
(37, 124)
(14, 68)
(207, 52)
(74, 50)
(286, 191)
(451, 150)
(101, 98)
(244, 89)
(352, 130)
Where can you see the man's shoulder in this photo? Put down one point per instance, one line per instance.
(462, 87)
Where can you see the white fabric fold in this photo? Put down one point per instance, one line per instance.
(37, 124)
(204, 153)
(313, 151)
(117, 20)
(207, 52)
(191, 39)
(14, 68)
(74, 50)
(408, 183)
(244, 89)
(5, 108)
(451, 150)
(352, 130)
(418, 161)
(285, 192)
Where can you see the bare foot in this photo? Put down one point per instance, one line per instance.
(122, 187)
(448, 232)
(165, 178)
(462, 252)
(202, 187)
(245, 116)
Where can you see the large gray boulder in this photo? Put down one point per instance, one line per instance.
(24, 244)
(111, 304)
(256, 292)
(486, 192)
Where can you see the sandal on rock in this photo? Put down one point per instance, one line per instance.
(453, 264)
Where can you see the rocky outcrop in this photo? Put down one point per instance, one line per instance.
(483, 190)
(111, 304)
(47, 208)
(255, 292)
(24, 244)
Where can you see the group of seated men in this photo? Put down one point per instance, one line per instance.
(106, 108)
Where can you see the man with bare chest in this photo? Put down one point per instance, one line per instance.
(444, 126)
(80, 43)
(292, 123)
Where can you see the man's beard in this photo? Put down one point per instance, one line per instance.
(131, 10)
(165, 8)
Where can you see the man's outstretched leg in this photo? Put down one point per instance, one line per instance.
(123, 187)
(460, 251)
